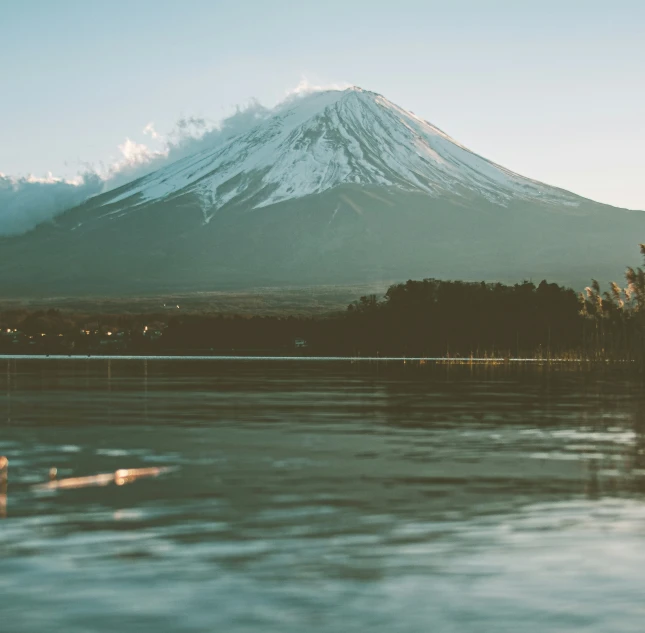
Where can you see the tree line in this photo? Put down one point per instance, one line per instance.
(425, 318)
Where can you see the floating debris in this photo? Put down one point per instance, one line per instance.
(119, 477)
(4, 474)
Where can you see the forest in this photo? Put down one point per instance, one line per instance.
(425, 318)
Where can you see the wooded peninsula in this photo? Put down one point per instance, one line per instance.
(427, 318)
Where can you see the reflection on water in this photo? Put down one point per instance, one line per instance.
(4, 473)
(321, 497)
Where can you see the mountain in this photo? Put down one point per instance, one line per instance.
(332, 138)
(333, 187)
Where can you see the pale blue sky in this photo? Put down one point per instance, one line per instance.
(554, 90)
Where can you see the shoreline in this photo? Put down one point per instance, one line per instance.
(351, 359)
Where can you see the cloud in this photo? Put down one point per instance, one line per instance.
(189, 136)
(305, 87)
(28, 201)
(136, 160)
(150, 129)
(135, 154)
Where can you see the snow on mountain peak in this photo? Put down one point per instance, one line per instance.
(313, 142)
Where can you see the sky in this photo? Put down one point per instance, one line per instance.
(553, 90)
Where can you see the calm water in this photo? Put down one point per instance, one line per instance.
(322, 497)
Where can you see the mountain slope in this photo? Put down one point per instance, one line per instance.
(330, 138)
(334, 187)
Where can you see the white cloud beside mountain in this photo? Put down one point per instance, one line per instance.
(26, 202)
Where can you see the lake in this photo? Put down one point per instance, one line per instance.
(322, 497)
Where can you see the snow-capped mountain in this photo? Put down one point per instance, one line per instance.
(314, 143)
(327, 188)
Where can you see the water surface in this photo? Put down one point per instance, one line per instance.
(322, 497)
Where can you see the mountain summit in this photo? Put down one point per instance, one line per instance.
(314, 143)
(331, 187)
